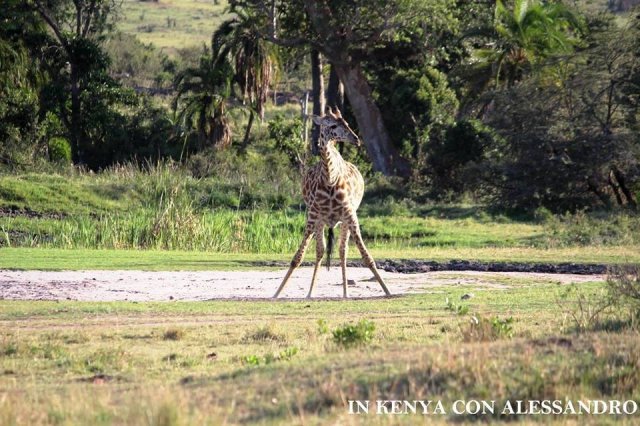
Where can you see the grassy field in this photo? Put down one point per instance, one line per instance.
(175, 260)
(278, 362)
(172, 24)
(165, 208)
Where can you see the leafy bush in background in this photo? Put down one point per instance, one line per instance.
(59, 150)
(350, 335)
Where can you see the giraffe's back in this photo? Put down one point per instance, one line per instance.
(332, 203)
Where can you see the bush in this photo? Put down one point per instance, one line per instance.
(615, 307)
(59, 150)
(354, 335)
(454, 159)
(173, 334)
(284, 355)
(263, 334)
(482, 329)
(591, 229)
(287, 137)
(623, 286)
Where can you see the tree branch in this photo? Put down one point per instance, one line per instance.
(87, 23)
(46, 15)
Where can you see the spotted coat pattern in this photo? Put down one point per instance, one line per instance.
(332, 191)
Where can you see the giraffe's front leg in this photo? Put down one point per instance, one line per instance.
(344, 246)
(319, 255)
(297, 259)
(354, 227)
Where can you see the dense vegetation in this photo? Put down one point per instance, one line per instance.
(500, 130)
(516, 104)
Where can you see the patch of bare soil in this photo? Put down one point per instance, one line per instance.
(250, 285)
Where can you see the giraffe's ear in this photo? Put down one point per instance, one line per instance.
(317, 120)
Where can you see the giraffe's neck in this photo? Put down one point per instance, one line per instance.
(332, 162)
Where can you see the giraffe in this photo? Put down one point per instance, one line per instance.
(332, 191)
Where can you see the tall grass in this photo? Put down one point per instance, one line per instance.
(169, 227)
(249, 207)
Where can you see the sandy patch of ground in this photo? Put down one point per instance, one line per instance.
(207, 285)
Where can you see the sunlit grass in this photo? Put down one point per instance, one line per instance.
(223, 361)
(172, 24)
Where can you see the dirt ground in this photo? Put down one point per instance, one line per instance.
(260, 284)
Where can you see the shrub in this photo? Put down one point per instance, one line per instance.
(59, 150)
(615, 307)
(623, 286)
(323, 328)
(593, 229)
(284, 355)
(173, 334)
(354, 335)
(458, 309)
(482, 329)
(263, 334)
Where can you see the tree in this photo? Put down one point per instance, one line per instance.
(201, 100)
(520, 37)
(23, 125)
(346, 33)
(77, 27)
(571, 132)
(254, 60)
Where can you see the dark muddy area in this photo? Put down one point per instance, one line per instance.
(30, 214)
(409, 266)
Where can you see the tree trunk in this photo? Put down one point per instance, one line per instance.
(76, 126)
(615, 188)
(376, 139)
(374, 133)
(317, 93)
(622, 183)
(247, 132)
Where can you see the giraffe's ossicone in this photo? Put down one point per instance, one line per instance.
(332, 191)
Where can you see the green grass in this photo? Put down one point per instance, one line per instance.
(195, 21)
(247, 209)
(59, 194)
(275, 363)
(162, 260)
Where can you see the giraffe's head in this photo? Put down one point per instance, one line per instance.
(334, 128)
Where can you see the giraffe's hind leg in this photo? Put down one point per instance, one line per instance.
(297, 259)
(354, 227)
(344, 246)
(319, 255)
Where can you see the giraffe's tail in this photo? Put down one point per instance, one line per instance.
(330, 243)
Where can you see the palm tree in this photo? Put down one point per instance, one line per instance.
(201, 100)
(255, 61)
(520, 37)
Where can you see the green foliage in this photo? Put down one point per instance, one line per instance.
(454, 160)
(457, 309)
(613, 308)
(480, 329)
(623, 286)
(59, 150)
(350, 335)
(263, 334)
(284, 355)
(201, 100)
(287, 138)
(585, 229)
(520, 36)
(323, 327)
(137, 64)
(419, 103)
